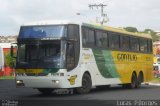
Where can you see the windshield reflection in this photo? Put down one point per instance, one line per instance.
(53, 31)
(39, 56)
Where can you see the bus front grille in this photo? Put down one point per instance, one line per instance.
(35, 74)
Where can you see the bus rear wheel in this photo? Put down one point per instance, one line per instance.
(133, 83)
(86, 84)
(45, 91)
(140, 79)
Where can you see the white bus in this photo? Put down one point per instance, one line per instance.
(63, 54)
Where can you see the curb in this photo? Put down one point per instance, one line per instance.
(154, 84)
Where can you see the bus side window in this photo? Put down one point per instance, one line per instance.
(101, 39)
(84, 33)
(88, 37)
(143, 45)
(134, 44)
(124, 42)
(113, 41)
(70, 56)
(149, 47)
(73, 46)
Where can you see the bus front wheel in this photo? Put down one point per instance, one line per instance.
(86, 84)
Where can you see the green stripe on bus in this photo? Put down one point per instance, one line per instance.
(105, 63)
(109, 63)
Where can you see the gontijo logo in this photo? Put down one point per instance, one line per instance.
(127, 57)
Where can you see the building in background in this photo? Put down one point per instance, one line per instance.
(5, 45)
(156, 47)
(156, 52)
(8, 39)
(157, 33)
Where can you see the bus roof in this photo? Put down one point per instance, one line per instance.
(98, 26)
(119, 30)
(50, 22)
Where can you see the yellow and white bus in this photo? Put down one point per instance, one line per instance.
(64, 54)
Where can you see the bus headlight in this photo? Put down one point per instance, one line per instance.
(20, 83)
(55, 81)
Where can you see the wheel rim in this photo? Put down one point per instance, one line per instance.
(84, 84)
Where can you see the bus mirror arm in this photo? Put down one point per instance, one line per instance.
(12, 51)
(12, 54)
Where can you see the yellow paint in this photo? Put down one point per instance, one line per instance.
(137, 62)
(72, 79)
(29, 71)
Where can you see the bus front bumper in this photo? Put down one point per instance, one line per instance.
(43, 82)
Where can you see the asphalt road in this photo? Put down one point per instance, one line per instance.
(8, 90)
(146, 92)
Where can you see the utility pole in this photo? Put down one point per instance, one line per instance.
(102, 6)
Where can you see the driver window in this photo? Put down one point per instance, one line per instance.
(70, 56)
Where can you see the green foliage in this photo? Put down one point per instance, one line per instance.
(6, 77)
(152, 33)
(9, 61)
(131, 29)
(148, 31)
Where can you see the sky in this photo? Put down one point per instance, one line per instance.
(141, 14)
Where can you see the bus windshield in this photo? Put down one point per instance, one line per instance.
(39, 55)
(52, 31)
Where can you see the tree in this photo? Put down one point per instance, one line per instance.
(9, 61)
(131, 29)
(152, 33)
(147, 31)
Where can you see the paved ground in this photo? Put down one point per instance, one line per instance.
(29, 96)
(146, 92)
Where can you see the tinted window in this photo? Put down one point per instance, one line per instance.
(101, 39)
(113, 40)
(73, 47)
(73, 32)
(143, 45)
(88, 37)
(150, 46)
(70, 56)
(124, 42)
(52, 31)
(134, 44)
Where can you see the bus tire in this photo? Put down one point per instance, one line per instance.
(86, 84)
(133, 83)
(45, 91)
(140, 79)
